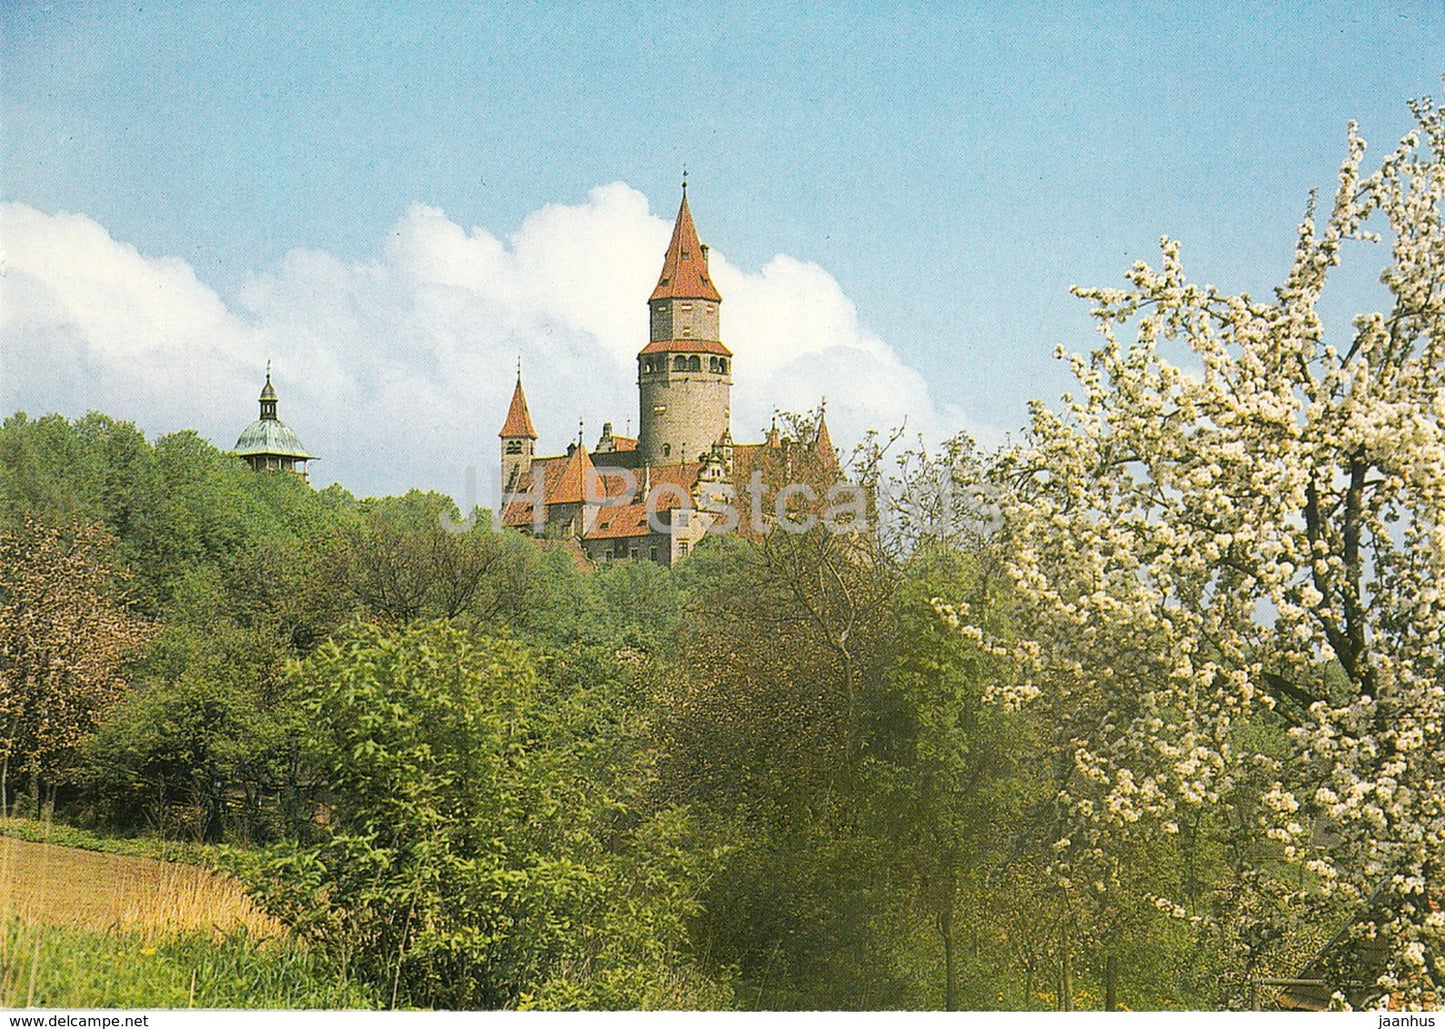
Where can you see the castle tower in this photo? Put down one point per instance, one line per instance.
(684, 374)
(269, 444)
(518, 438)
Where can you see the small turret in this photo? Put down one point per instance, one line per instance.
(269, 444)
(518, 437)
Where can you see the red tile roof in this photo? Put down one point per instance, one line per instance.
(571, 488)
(686, 346)
(565, 477)
(684, 269)
(620, 523)
(519, 422)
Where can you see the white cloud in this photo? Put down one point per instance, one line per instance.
(398, 369)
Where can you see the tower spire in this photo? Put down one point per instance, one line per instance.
(684, 270)
(519, 422)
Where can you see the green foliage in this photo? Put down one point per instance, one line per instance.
(157, 847)
(467, 859)
(43, 966)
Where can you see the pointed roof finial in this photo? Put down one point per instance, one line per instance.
(519, 367)
(579, 431)
(684, 181)
(268, 391)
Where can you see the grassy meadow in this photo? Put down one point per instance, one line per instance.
(84, 928)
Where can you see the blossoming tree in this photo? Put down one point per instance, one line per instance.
(1231, 558)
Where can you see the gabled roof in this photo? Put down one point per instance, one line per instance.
(684, 269)
(519, 422)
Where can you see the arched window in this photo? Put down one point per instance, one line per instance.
(679, 364)
(694, 363)
(722, 365)
(712, 364)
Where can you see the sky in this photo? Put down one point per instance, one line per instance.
(394, 202)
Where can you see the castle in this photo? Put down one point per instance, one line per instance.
(654, 497)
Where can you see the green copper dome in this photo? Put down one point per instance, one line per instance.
(273, 437)
(269, 436)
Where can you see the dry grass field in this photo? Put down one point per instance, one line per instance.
(52, 885)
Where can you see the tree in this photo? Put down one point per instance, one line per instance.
(1237, 526)
(765, 732)
(65, 634)
(470, 854)
(402, 564)
(954, 790)
(208, 741)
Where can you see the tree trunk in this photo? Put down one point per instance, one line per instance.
(950, 960)
(1111, 976)
(4, 786)
(1066, 976)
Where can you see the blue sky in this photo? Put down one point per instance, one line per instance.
(943, 172)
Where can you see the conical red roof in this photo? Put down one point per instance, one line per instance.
(684, 269)
(519, 422)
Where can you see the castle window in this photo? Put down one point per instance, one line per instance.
(682, 548)
(712, 364)
(514, 446)
(694, 363)
(679, 364)
(687, 332)
(722, 363)
(687, 307)
(667, 450)
(654, 553)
